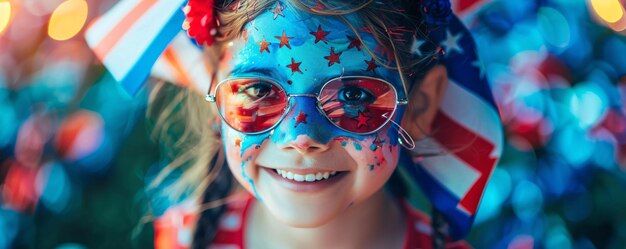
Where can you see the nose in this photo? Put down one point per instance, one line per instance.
(304, 129)
(304, 144)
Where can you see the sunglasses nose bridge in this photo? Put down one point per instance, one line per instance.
(304, 118)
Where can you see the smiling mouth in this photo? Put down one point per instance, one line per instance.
(310, 182)
(319, 176)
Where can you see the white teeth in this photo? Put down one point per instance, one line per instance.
(308, 177)
(298, 178)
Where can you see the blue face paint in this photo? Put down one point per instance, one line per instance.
(297, 52)
(357, 146)
(251, 61)
(285, 50)
(249, 180)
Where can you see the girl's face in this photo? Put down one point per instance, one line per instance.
(307, 171)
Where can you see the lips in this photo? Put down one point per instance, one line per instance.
(306, 181)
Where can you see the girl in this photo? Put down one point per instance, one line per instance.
(305, 105)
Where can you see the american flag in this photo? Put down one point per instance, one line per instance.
(130, 37)
(467, 128)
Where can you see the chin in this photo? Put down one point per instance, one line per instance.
(305, 215)
(304, 210)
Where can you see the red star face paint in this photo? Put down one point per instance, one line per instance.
(305, 98)
(333, 57)
(354, 43)
(320, 35)
(284, 40)
(371, 65)
(294, 66)
(264, 46)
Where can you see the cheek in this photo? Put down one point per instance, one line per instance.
(373, 153)
(376, 159)
(233, 152)
(241, 151)
(233, 146)
(239, 146)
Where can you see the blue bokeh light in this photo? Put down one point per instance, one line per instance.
(588, 104)
(557, 237)
(573, 144)
(498, 190)
(554, 27)
(527, 200)
(54, 187)
(614, 50)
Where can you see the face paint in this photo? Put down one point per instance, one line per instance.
(301, 52)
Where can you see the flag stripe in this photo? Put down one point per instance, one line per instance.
(195, 64)
(440, 196)
(105, 45)
(483, 118)
(103, 25)
(463, 8)
(458, 176)
(137, 74)
(463, 5)
(144, 42)
(175, 64)
(184, 56)
(475, 151)
(462, 71)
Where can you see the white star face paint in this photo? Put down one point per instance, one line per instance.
(306, 170)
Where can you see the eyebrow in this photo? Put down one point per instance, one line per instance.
(350, 73)
(274, 73)
(271, 73)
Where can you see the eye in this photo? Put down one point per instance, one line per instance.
(257, 90)
(355, 95)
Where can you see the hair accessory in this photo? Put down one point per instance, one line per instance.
(201, 22)
(436, 12)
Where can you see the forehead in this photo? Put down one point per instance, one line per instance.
(301, 64)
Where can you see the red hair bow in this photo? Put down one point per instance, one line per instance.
(200, 22)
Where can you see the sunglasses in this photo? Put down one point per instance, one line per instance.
(357, 104)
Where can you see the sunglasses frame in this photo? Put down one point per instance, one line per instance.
(210, 97)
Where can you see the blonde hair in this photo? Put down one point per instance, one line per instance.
(184, 124)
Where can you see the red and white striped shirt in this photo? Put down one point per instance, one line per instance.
(175, 232)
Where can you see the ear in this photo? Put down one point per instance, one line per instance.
(424, 101)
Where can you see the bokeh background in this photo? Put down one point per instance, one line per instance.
(75, 155)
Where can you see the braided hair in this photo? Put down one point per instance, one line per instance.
(218, 189)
